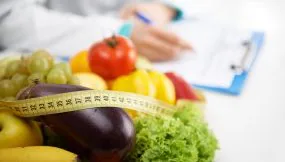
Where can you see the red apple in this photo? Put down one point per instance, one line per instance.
(183, 89)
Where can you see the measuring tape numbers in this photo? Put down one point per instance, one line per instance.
(74, 101)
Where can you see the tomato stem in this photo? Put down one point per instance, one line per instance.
(113, 42)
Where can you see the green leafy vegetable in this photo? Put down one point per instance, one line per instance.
(184, 138)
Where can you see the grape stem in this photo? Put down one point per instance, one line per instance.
(36, 81)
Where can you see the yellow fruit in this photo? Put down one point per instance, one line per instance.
(143, 63)
(18, 132)
(137, 82)
(165, 90)
(91, 80)
(37, 154)
(79, 62)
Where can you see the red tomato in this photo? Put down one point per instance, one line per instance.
(112, 57)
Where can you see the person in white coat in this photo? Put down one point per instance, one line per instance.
(65, 27)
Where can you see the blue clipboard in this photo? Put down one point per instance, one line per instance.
(239, 80)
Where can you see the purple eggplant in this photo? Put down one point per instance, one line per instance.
(105, 134)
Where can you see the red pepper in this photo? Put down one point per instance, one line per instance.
(183, 89)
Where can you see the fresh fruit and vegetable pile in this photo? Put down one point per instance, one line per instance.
(109, 134)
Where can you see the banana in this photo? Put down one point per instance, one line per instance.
(37, 154)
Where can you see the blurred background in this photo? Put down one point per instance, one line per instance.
(250, 126)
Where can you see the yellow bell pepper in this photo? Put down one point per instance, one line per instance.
(137, 82)
(151, 83)
(165, 90)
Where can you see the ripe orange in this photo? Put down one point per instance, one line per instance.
(79, 62)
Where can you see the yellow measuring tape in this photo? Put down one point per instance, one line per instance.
(73, 101)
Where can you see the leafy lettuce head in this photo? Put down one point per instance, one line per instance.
(182, 138)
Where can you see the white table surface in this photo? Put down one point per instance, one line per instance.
(251, 127)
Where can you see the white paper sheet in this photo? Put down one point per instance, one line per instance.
(216, 49)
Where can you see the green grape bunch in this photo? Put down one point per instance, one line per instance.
(17, 72)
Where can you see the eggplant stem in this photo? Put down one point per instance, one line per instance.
(35, 82)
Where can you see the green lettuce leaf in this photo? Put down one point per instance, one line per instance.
(182, 138)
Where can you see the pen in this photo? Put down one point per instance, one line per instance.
(148, 21)
(143, 18)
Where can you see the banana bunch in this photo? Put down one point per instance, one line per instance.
(36, 154)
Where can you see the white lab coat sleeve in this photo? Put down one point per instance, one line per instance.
(27, 25)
